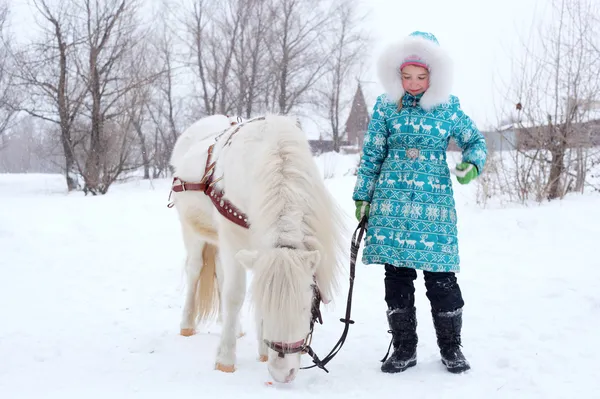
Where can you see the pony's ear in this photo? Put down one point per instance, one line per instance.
(247, 258)
(313, 258)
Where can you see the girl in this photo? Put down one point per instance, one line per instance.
(404, 188)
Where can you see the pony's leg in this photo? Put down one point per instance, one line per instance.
(220, 279)
(239, 331)
(263, 353)
(193, 267)
(201, 299)
(234, 292)
(187, 325)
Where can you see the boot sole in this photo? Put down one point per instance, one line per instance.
(412, 363)
(457, 369)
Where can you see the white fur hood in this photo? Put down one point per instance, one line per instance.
(426, 47)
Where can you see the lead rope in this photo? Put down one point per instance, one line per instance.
(354, 247)
(389, 348)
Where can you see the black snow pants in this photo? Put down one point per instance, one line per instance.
(442, 288)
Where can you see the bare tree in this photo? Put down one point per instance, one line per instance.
(7, 95)
(112, 33)
(556, 87)
(214, 31)
(136, 103)
(297, 57)
(251, 58)
(44, 69)
(260, 55)
(347, 45)
(165, 109)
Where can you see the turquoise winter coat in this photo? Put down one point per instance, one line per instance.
(404, 175)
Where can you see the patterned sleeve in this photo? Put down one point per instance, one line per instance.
(374, 152)
(468, 137)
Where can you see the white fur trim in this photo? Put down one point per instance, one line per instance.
(440, 75)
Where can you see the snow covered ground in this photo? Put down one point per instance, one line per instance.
(91, 290)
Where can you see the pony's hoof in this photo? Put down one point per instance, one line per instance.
(187, 332)
(263, 358)
(225, 368)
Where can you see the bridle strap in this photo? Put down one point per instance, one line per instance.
(355, 246)
(285, 349)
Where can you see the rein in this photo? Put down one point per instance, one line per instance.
(355, 245)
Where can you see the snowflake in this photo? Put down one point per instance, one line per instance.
(466, 135)
(379, 140)
(479, 154)
(367, 139)
(386, 208)
(416, 211)
(360, 182)
(432, 212)
(370, 185)
(444, 214)
(406, 210)
(453, 216)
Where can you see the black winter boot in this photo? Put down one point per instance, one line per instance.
(447, 328)
(403, 327)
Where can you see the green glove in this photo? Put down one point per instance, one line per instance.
(362, 209)
(465, 172)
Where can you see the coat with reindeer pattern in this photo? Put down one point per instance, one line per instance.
(403, 173)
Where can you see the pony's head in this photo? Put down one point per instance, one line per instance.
(282, 291)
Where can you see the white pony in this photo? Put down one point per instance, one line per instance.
(296, 235)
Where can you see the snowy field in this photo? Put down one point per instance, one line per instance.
(91, 291)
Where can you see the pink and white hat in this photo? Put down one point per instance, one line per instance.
(414, 60)
(421, 49)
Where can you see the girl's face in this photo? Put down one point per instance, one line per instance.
(415, 79)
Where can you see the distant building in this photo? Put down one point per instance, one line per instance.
(584, 134)
(358, 119)
(500, 140)
(583, 128)
(320, 146)
(354, 131)
(505, 138)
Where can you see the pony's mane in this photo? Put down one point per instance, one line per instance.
(294, 208)
(279, 287)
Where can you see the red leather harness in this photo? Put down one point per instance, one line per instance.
(208, 187)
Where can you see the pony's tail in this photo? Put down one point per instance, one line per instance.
(207, 296)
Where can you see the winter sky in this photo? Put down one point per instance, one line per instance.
(481, 36)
